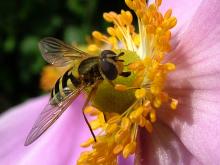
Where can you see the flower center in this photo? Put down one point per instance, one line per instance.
(151, 44)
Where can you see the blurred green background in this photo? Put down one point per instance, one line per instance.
(23, 23)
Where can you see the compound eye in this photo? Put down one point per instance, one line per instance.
(109, 69)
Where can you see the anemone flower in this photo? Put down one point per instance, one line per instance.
(176, 112)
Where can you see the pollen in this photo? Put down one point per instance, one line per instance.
(151, 43)
(174, 104)
(140, 93)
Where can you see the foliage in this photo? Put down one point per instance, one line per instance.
(24, 23)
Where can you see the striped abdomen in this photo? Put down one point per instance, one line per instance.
(67, 80)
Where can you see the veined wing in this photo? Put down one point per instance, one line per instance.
(52, 112)
(58, 53)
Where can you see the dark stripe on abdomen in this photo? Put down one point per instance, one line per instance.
(56, 88)
(68, 75)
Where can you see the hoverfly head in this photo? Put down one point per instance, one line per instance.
(110, 64)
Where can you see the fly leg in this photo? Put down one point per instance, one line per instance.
(89, 97)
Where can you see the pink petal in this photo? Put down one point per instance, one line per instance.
(59, 145)
(183, 10)
(162, 147)
(128, 161)
(196, 85)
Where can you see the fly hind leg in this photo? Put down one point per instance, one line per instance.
(89, 97)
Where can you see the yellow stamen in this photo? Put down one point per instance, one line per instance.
(140, 93)
(158, 2)
(111, 128)
(174, 104)
(121, 87)
(118, 149)
(125, 124)
(170, 66)
(91, 111)
(152, 116)
(151, 42)
(97, 35)
(87, 143)
(129, 149)
(92, 48)
(168, 14)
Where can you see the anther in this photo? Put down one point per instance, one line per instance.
(173, 104)
(87, 143)
(129, 149)
(121, 87)
(140, 93)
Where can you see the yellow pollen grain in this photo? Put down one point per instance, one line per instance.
(173, 104)
(168, 14)
(153, 116)
(157, 102)
(172, 22)
(119, 136)
(92, 48)
(170, 66)
(140, 93)
(129, 149)
(120, 87)
(158, 2)
(125, 123)
(118, 149)
(95, 124)
(111, 31)
(91, 111)
(136, 113)
(87, 143)
(152, 8)
(97, 35)
(111, 128)
(155, 89)
(108, 17)
(127, 16)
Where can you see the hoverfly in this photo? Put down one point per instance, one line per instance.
(91, 71)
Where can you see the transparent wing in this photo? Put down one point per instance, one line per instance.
(51, 113)
(58, 53)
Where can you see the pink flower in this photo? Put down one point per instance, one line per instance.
(60, 145)
(189, 135)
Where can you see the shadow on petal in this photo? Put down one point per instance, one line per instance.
(162, 147)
